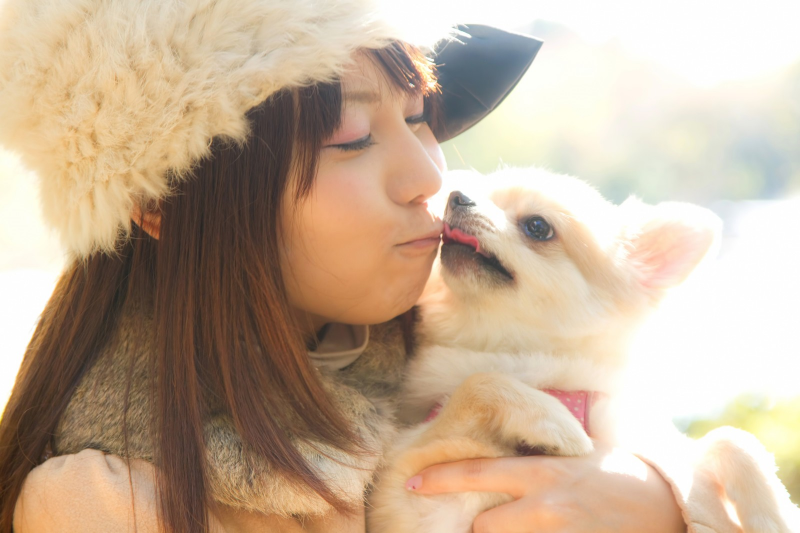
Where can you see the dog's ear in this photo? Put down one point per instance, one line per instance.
(667, 241)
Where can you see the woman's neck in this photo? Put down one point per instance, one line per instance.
(312, 326)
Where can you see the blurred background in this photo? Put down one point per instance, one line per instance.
(691, 100)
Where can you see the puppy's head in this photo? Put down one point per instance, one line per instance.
(533, 260)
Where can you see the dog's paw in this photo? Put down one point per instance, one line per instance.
(556, 436)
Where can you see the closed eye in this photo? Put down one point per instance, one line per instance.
(416, 120)
(365, 142)
(358, 144)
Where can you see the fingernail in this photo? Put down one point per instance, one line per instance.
(414, 483)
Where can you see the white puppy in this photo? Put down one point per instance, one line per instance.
(524, 334)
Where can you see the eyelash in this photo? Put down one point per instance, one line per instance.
(417, 119)
(360, 144)
(366, 142)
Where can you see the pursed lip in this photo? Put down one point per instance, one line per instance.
(427, 239)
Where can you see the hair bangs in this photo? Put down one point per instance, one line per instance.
(407, 68)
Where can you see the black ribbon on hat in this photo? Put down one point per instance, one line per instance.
(476, 73)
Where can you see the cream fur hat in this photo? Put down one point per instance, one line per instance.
(103, 97)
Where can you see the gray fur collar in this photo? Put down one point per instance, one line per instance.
(238, 478)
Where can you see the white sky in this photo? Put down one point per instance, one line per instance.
(706, 41)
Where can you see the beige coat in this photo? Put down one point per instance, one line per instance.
(89, 491)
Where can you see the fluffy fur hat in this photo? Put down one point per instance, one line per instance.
(103, 97)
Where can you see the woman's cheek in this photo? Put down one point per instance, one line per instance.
(350, 222)
(343, 186)
(357, 202)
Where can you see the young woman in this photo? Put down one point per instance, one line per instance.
(275, 157)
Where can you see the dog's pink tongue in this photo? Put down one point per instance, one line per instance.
(456, 235)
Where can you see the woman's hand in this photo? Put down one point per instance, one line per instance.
(609, 490)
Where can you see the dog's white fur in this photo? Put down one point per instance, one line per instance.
(489, 343)
(110, 100)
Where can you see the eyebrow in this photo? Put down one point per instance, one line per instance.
(362, 97)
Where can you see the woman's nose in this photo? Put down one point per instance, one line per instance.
(418, 169)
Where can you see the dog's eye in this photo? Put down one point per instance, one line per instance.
(539, 229)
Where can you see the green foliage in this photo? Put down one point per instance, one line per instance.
(775, 423)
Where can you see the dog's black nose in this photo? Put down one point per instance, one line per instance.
(459, 199)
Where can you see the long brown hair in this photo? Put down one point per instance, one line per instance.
(222, 323)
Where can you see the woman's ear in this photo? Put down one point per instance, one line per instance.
(149, 221)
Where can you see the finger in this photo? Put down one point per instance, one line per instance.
(519, 516)
(504, 474)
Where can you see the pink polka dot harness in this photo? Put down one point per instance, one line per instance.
(579, 403)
